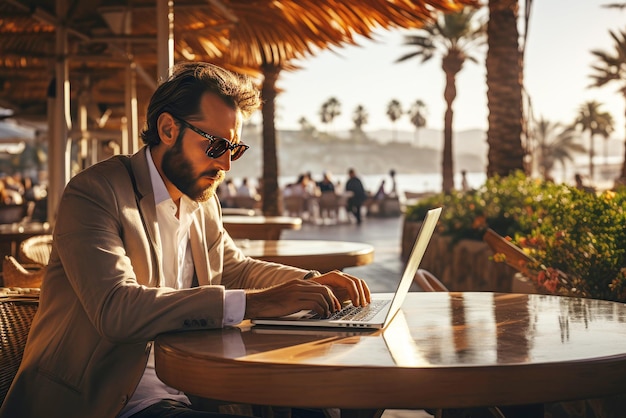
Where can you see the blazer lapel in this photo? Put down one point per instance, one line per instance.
(199, 250)
(147, 208)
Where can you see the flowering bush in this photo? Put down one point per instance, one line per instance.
(577, 240)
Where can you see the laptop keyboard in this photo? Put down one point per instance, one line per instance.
(357, 313)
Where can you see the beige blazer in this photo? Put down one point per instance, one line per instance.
(102, 302)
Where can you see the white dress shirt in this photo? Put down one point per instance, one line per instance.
(178, 271)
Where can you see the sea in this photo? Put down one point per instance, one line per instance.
(416, 183)
(607, 169)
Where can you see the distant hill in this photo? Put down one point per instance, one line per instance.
(337, 153)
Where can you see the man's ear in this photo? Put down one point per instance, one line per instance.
(167, 128)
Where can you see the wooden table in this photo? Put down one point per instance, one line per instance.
(238, 212)
(310, 254)
(259, 227)
(442, 350)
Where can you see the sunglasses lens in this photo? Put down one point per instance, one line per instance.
(238, 152)
(220, 146)
(217, 148)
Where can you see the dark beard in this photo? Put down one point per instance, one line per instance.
(178, 170)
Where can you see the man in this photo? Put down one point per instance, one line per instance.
(358, 197)
(139, 249)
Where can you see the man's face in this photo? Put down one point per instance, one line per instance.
(186, 165)
(180, 171)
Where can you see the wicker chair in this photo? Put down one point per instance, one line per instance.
(16, 316)
(328, 203)
(36, 250)
(17, 275)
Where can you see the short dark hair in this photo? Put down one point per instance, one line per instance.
(181, 92)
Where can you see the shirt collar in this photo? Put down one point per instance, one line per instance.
(158, 186)
(160, 191)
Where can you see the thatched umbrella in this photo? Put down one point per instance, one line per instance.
(270, 38)
(110, 42)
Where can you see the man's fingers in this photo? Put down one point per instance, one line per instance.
(364, 290)
(346, 287)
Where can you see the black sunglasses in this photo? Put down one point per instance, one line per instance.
(217, 145)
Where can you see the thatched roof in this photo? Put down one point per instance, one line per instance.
(241, 34)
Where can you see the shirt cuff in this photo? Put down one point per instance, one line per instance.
(234, 306)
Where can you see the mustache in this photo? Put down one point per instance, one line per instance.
(215, 174)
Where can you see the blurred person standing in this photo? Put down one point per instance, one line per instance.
(358, 195)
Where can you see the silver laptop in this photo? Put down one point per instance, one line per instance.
(383, 306)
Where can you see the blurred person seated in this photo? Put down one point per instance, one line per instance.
(380, 193)
(246, 189)
(226, 192)
(326, 184)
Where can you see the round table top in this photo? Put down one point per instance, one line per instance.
(442, 350)
(310, 254)
(259, 227)
(285, 221)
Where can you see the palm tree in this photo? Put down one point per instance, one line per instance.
(417, 113)
(504, 65)
(271, 192)
(360, 117)
(307, 128)
(610, 123)
(555, 143)
(330, 110)
(612, 67)
(591, 119)
(454, 35)
(394, 111)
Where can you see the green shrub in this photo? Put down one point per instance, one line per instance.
(562, 228)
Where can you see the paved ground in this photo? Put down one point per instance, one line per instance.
(381, 275)
(382, 233)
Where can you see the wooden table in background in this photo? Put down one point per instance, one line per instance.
(442, 350)
(310, 254)
(12, 235)
(259, 227)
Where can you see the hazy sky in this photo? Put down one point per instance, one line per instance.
(558, 62)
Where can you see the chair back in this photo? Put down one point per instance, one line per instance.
(16, 316)
(328, 201)
(15, 275)
(246, 202)
(10, 214)
(428, 282)
(294, 205)
(514, 256)
(36, 250)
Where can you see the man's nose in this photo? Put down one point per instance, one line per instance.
(223, 161)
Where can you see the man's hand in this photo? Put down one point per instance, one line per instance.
(346, 287)
(289, 297)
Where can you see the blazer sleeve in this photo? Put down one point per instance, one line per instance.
(100, 248)
(230, 267)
